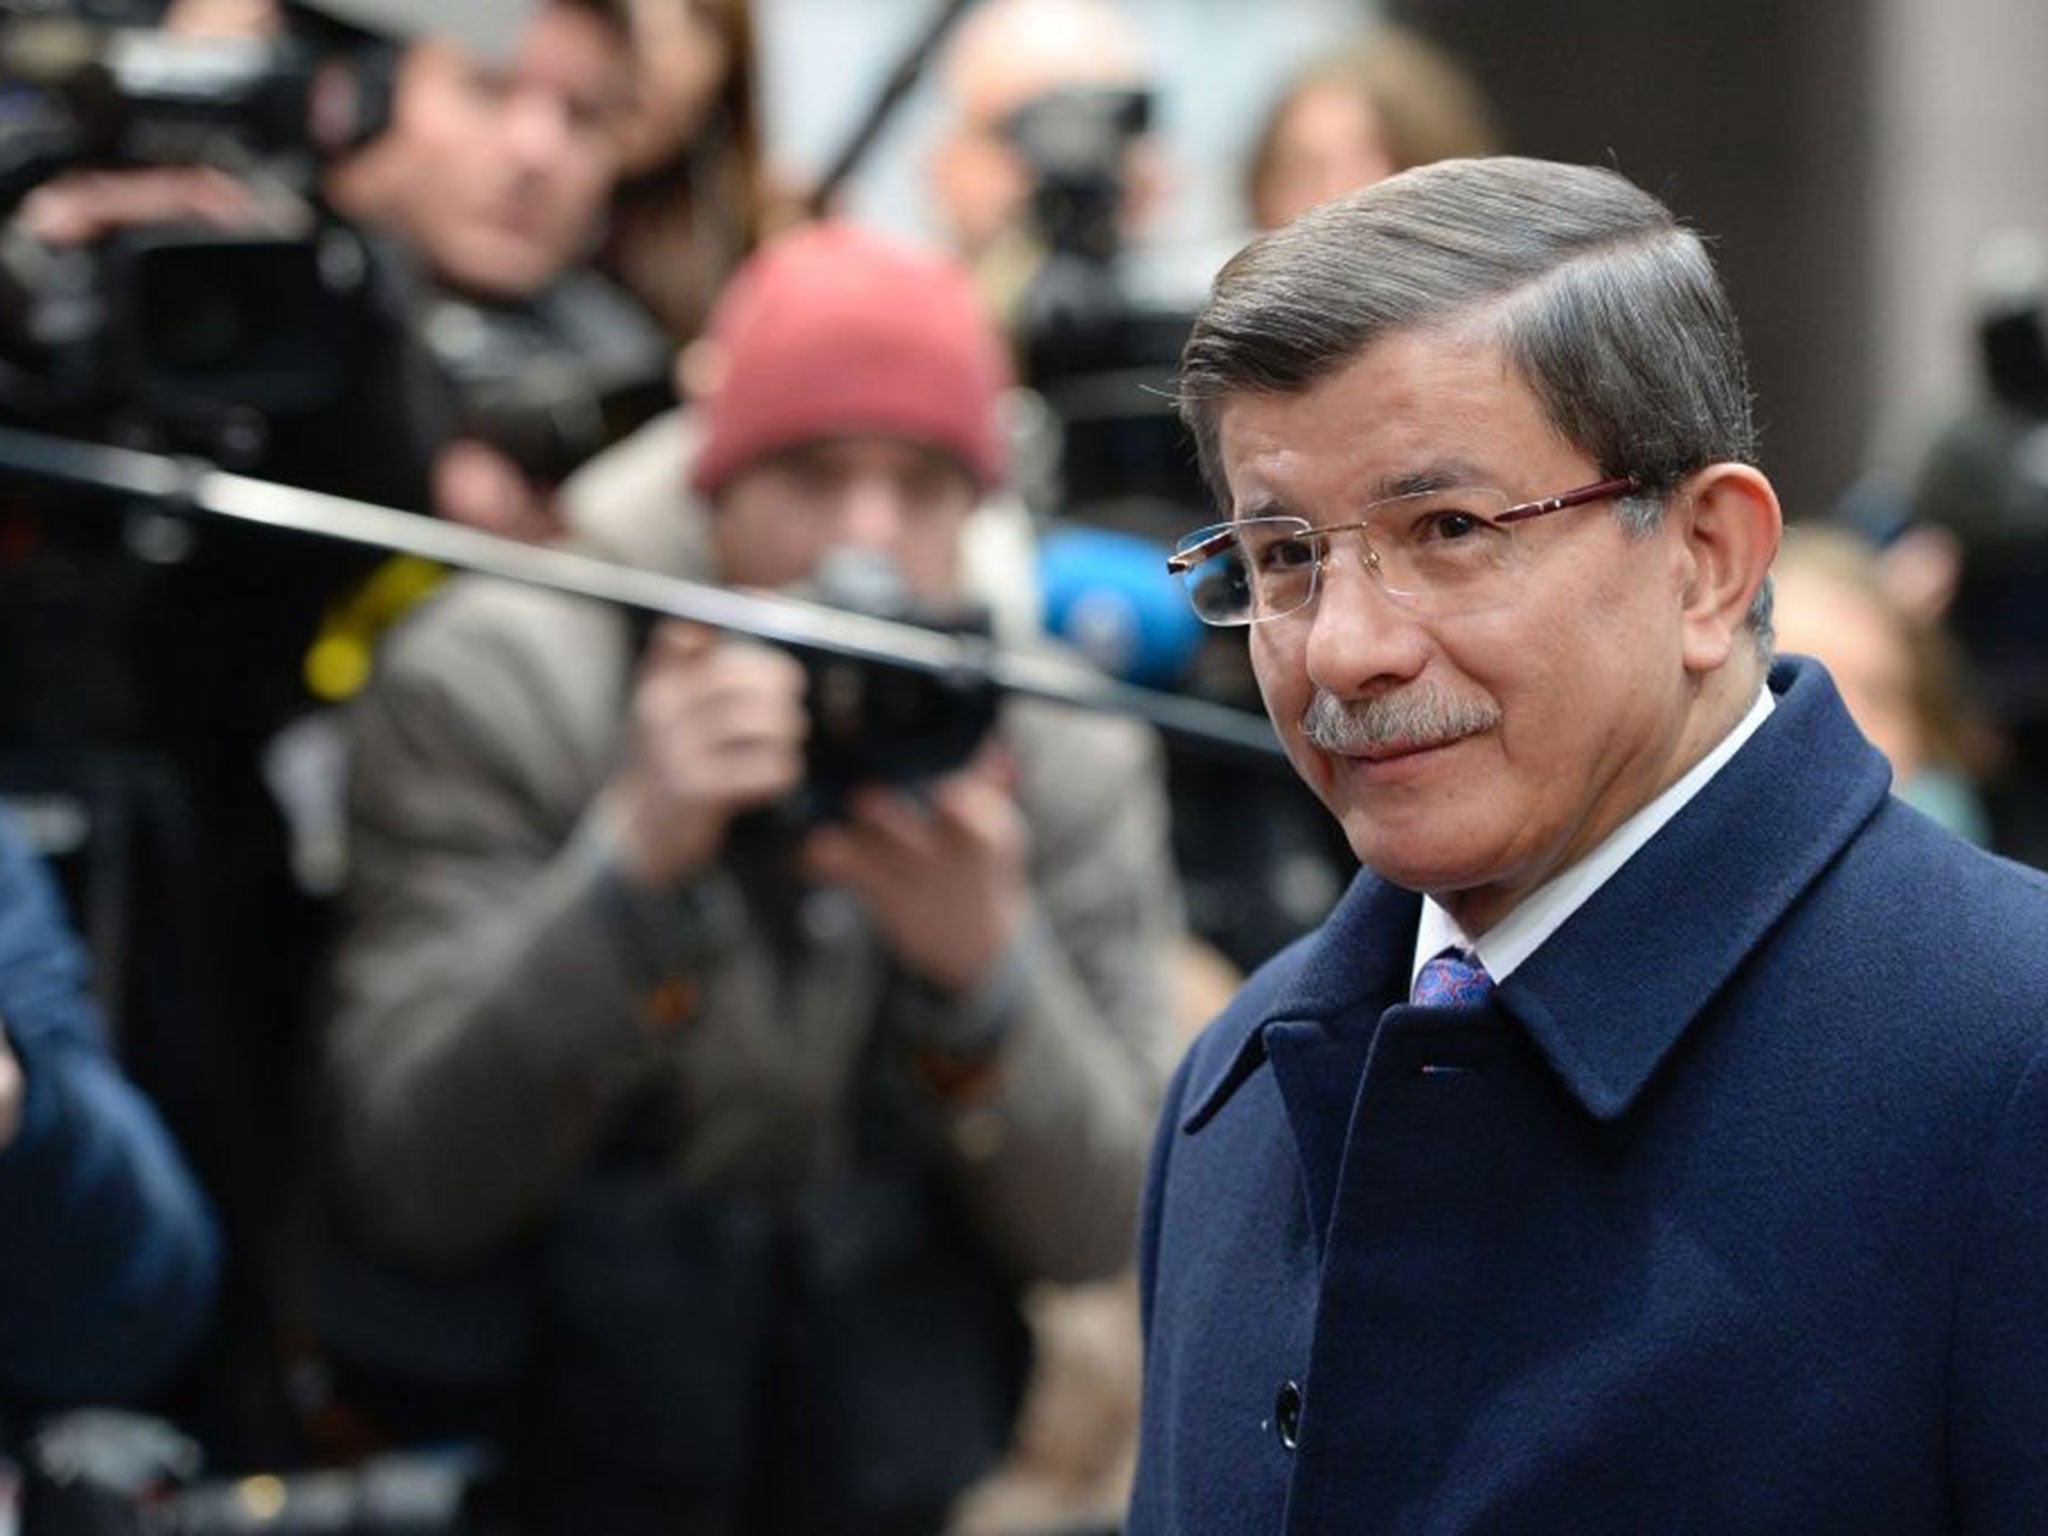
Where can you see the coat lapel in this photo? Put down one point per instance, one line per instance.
(1351, 960)
(1610, 994)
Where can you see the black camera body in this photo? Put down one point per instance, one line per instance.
(547, 384)
(880, 724)
(86, 87)
(202, 340)
(177, 319)
(192, 328)
(1101, 352)
(873, 724)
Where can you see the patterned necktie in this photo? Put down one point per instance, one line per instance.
(1453, 979)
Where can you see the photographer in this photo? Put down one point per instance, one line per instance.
(703, 1145)
(469, 184)
(1006, 55)
(467, 178)
(107, 1251)
(492, 180)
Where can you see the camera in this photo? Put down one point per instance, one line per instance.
(879, 724)
(204, 340)
(174, 322)
(546, 385)
(1097, 347)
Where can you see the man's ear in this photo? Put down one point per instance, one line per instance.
(1728, 525)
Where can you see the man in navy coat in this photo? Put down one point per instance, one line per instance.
(1655, 1138)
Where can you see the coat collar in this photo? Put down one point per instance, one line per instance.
(1608, 996)
(1352, 958)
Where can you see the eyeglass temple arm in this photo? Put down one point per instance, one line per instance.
(1184, 560)
(1620, 485)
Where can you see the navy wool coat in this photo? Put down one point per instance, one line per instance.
(1729, 1213)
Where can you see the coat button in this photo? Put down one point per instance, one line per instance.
(1287, 1414)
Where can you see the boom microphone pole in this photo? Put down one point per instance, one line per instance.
(968, 661)
(883, 107)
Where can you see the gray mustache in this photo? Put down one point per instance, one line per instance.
(1416, 716)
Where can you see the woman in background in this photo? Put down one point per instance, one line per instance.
(1389, 101)
(1896, 673)
(693, 199)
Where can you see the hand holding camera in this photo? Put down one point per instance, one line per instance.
(717, 728)
(720, 727)
(77, 207)
(942, 871)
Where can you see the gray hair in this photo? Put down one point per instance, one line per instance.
(1608, 308)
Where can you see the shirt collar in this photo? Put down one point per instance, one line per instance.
(1544, 910)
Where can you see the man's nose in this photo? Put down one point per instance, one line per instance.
(871, 513)
(1359, 635)
(538, 127)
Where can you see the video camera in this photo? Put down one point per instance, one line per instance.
(1100, 349)
(198, 338)
(176, 322)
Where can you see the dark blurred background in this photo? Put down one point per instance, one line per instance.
(1851, 157)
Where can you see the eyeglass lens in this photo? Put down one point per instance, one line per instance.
(1440, 549)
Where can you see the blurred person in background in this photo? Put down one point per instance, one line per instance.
(108, 1254)
(495, 173)
(483, 189)
(493, 178)
(477, 200)
(1004, 56)
(694, 1148)
(1896, 672)
(1388, 101)
(693, 196)
(1975, 504)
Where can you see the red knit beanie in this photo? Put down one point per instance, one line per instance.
(833, 330)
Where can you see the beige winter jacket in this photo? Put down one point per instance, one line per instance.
(501, 989)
